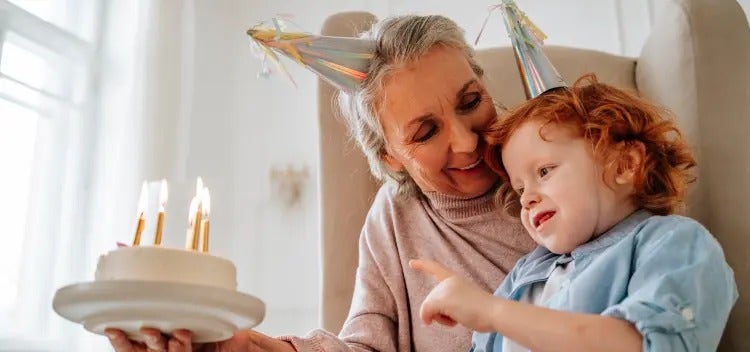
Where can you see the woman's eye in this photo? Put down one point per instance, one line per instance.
(519, 191)
(425, 132)
(470, 101)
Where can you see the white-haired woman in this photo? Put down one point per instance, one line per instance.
(416, 117)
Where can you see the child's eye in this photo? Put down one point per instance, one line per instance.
(544, 171)
(519, 191)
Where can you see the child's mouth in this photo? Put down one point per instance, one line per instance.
(542, 217)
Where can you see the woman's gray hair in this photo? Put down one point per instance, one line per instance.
(399, 41)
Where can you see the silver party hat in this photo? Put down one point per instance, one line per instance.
(341, 61)
(537, 72)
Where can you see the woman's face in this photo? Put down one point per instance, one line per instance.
(430, 111)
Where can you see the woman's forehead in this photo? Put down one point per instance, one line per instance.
(439, 68)
(437, 75)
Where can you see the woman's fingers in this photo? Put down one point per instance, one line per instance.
(119, 341)
(154, 340)
(253, 341)
(181, 341)
(430, 267)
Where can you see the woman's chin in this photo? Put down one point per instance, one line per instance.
(477, 189)
(473, 182)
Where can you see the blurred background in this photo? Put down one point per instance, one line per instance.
(98, 96)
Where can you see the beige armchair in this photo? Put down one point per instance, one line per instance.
(695, 62)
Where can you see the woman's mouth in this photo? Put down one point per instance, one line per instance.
(542, 217)
(469, 167)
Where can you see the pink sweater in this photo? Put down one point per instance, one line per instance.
(469, 236)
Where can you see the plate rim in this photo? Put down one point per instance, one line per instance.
(251, 308)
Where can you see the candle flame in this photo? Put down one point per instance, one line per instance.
(163, 195)
(206, 202)
(198, 186)
(142, 199)
(193, 209)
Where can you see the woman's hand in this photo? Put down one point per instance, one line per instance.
(455, 300)
(242, 341)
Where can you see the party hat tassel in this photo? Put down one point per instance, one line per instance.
(343, 62)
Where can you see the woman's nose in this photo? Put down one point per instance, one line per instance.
(463, 138)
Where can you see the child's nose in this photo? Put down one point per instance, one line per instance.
(529, 199)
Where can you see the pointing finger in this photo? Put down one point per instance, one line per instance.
(430, 267)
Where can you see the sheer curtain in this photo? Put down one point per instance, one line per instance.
(47, 50)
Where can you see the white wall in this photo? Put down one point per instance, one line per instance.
(237, 127)
(241, 128)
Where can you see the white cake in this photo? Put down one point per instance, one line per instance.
(146, 263)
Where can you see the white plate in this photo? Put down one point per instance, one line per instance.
(211, 313)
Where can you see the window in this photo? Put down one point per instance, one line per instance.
(46, 60)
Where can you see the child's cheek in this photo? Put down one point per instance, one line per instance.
(525, 220)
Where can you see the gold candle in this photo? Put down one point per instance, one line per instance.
(195, 217)
(191, 238)
(204, 236)
(163, 196)
(141, 222)
(196, 228)
(206, 205)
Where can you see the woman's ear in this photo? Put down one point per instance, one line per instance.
(391, 162)
(630, 164)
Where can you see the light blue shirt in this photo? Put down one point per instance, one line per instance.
(665, 274)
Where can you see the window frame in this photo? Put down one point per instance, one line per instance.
(61, 174)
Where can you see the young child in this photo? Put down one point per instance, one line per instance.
(595, 176)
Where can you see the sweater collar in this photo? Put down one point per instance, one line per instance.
(456, 207)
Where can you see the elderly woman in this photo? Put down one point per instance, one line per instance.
(416, 117)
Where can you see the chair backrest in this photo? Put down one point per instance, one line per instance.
(346, 190)
(696, 62)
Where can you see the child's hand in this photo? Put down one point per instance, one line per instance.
(455, 299)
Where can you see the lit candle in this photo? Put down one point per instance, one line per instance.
(141, 222)
(198, 187)
(206, 203)
(163, 196)
(195, 217)
(191, 219)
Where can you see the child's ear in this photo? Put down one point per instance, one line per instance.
(630, 164)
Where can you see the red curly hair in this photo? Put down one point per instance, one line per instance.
(613, 121)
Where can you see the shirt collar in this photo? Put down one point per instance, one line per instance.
(615, 234)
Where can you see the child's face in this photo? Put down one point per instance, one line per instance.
(564, 199)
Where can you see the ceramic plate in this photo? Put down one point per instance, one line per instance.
(211, 313)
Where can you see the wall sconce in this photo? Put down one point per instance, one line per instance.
(288, 183)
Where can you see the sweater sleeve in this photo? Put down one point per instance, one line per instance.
(373, 316)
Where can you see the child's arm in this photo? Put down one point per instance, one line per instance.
(457, 300)
(542, 329)
(679, 298)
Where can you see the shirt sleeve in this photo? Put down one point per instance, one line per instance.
(681, 289)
